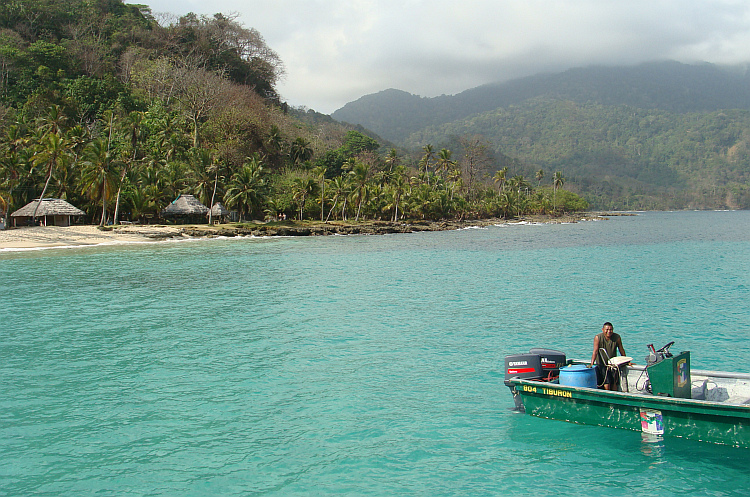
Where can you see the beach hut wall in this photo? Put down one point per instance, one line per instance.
(53, 211)
(218, 213)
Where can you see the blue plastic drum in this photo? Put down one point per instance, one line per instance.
(578, 375)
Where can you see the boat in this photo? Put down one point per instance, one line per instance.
(664, 398)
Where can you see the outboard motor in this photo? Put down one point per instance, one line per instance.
(537, 364)
(552, 360)
(524, 366)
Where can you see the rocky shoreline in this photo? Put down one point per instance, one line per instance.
(292, 228)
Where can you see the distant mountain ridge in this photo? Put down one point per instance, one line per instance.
(655, 136)
(670, 86)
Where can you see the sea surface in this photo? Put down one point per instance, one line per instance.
(359, 365)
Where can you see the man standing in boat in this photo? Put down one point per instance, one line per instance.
(606, 345)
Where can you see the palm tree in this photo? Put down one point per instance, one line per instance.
(99, 172)
(500, 177)
(140, 199)
(391, 160)
(214, 167)
(320, 173)
(203, 174)
(456, 180)
(557, 182)
(10, 172)
(170, 138)
(360, 174)
(134, 131)
(275, 144)
(539, 177)
(444, 161)
(54, 121)
(302, 188)
(275, 139)
(300, 151)
(11, 164)
(420, 200)
(54, 152)
(507, 203)
(274, 207)
(398, 187)
(518, 183)
(152, 176)
(424, 163)
(340, 188)
(245, 189)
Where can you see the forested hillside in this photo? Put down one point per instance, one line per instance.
(670, 86)
(621, 156)
(665, 135)
(119, 113)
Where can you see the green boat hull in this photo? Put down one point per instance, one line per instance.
(705, 421)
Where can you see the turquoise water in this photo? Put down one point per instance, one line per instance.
(363, 365)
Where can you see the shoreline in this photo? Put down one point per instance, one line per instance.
(45, 237)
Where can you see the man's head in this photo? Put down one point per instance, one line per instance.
(608, 329)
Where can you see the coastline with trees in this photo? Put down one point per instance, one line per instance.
(119, 113)
(40, 237)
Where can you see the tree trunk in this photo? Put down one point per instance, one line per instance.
(322, 198)
(213, 197)
(119, 191)
(359, 206)
(104, 200)
(336, 200)
(6, 219)
(44, 190)
(195, 131)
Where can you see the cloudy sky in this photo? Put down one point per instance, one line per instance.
(336, 51)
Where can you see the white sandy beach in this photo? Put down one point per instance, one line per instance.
(57, 236)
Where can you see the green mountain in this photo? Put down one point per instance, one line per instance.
(672, 86)
(658, 135)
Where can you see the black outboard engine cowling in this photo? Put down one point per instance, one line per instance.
(537, 364)
(552, 360)
(524, 366)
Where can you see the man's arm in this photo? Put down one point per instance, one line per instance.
(596, 349)
(620, 347)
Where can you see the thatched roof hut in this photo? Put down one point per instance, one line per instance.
(51, 211)
(219, 210)
(218, 213)
(186, 208)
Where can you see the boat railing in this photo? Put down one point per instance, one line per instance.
(693, 372)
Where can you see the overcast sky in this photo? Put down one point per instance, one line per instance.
(336, 51)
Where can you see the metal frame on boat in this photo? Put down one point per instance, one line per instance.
(708, 406)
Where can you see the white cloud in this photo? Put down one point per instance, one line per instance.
(336, 51)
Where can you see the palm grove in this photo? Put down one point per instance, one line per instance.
(118, 113)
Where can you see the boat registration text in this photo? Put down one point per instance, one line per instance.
(548, 391)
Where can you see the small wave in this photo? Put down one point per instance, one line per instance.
(75, 246)
(518, 223)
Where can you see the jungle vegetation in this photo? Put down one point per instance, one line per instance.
(117, 111)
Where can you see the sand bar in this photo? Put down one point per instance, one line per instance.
(58, 236)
